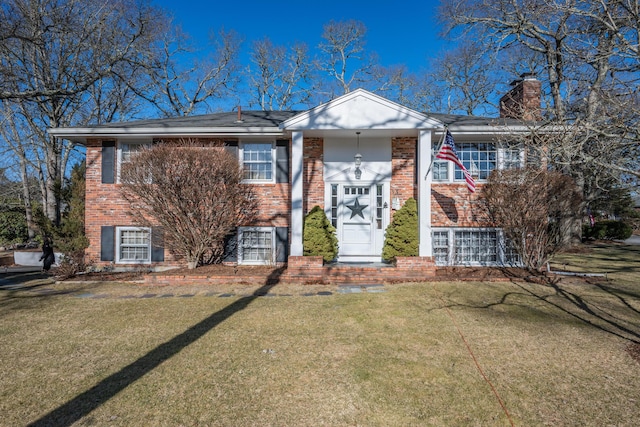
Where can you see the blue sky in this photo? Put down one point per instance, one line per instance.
(402, 32)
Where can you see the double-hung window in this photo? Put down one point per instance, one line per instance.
(127, 151)
(133, 245)
(258, 161)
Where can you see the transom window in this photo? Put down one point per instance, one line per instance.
(257, 245)
(134, 245)
(356, 190)
(257, 161)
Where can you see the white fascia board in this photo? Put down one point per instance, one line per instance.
(487, 130)
(81, 134)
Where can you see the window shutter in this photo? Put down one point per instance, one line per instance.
(108, 161)
(157, 244)
(282, 161)
(282, 244)
(107, 243)
(232, 148)
(231, 247)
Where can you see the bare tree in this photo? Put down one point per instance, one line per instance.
(396, 83)
(532, 206)
(194, 191)
(344, 58)
(463, 78)
(56, 57)
(279, 78)
(588, 52)
(178, 90)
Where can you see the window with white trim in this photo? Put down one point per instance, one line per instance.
(441, 170)
(511, 158)
(133, 245)
(256, 245)
(127, 150)
(258, 161)
(441, 247)
(480, 158)
(476, 247)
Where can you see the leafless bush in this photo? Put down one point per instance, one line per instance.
(193, 191)
(535, 208)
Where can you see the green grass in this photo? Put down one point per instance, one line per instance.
(556, 355)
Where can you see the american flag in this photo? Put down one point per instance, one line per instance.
(448, 152)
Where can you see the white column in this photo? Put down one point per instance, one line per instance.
(297, 217)
(424, 193)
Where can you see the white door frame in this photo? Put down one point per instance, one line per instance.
(378, 215)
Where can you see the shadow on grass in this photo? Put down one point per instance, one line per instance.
(93, 398)
(616, 318)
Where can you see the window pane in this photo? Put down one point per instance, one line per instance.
(257, 245)
(478, 158)
(476, 246)
(258, 161)
(441, 246)
(511, 158)
(134, 245)
(440, 171)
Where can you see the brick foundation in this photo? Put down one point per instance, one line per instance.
(310, 270)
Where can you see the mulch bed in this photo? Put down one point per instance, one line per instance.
(442, 273)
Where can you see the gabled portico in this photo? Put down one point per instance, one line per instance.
(358, 199)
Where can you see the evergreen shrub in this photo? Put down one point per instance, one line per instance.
(402, 238)
(319, 236)
(13, 226)
(608, 230)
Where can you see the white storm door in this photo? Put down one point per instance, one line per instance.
(357, 237)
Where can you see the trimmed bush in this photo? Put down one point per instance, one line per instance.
(608, 230)
(319, 236)
(402, 238)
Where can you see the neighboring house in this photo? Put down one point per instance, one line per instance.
(300, 159)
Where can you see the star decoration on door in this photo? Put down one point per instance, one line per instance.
(356, 209)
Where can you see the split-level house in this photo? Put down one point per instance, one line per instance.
(359, 157)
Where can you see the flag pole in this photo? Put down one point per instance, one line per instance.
(433, 155)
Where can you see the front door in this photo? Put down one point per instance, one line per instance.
(360, 221)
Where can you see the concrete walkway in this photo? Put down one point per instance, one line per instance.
(633, 240)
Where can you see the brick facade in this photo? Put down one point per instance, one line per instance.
(452, 204)
(313, 184)
(403, 163)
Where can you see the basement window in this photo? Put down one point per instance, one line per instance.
(133, 245)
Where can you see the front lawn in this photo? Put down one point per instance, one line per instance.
(106, 354)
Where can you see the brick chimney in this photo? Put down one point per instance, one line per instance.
(523, 100)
